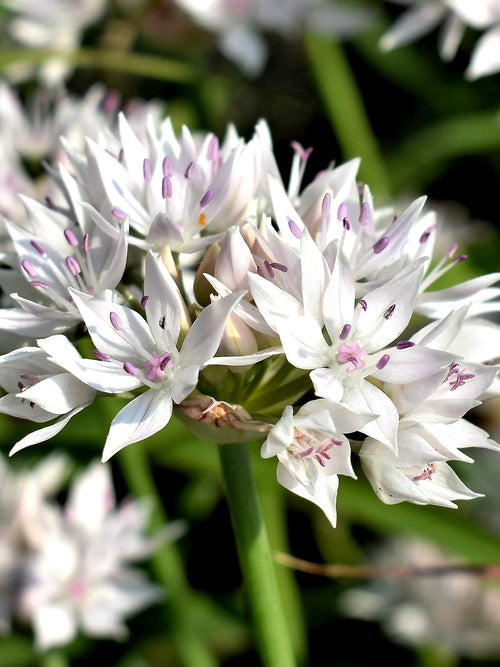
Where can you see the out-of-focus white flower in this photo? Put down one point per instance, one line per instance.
(457, 611)
(425, 15)
(79, 576)
(239, 24)
(54, 24)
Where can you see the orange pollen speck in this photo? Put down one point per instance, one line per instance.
(202, 220)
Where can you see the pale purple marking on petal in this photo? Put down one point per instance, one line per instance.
(146, 170)
(364, 214)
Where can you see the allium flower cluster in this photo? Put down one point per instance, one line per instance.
(423, 16)
(70, 569)
(252, 309)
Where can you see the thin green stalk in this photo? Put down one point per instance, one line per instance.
(106, 59)
(167, 563)
(256, 562)
(346, 111)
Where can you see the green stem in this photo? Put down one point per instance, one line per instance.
(256, 562)
(54, 658)
(346, 111)
(106, 59)
(167, 564)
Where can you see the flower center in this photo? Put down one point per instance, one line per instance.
(307, 445)
(351, 353)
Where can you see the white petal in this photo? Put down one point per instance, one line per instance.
(145, 415)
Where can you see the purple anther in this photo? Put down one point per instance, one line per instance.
(279, 267)
(460, 258)
(29, 268)
(162, 321)
(388, 313)
(207, 198)
(269, 269)
(189, 170)
(111, 101)
(363, 304)
(121, 156)
(346, 224)
(346, 330)
(364, 214)
(425, 236)
(452, 250)
(130, 368)
(50, 203)
(39, 283)
(166, 187)
(381, 244)
(260, 272)
(115, 321)
(39, 248)
(305, 453)
(295, 229)
(146, 170)
(20, 385)
(70, 237)
(101, 355)
(326, 206)
(86, 243)
(382, 362)
(342, 212)
(166, 166)
(118, 213)
(144, 301)
(403, 344)
(73, 266)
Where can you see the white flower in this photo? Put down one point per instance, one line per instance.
(239, 24)
(313, 451)
(79, 575)
(425, 15)
(133, 353)
(54, 252)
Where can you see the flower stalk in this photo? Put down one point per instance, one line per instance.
(255, 557)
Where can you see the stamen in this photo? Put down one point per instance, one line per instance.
(381, 244)
(118, 213)
(115, 321)
(130, 368)
(269, 269)
(101, 355)
(73, 266)
(342, 212)
(39, 283)
(144, 301)
(167, 167)
(39, 248)
(295, 229)
(162, 321)
(383, 361)
(71, 237)
(279, 267)
(388, 313)
(403, 344)
(86, 243)
(326, 205)
(166, 187)
(346, 330)
(207, 198)
(29, 268)
(363, 304)
(189, 170)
